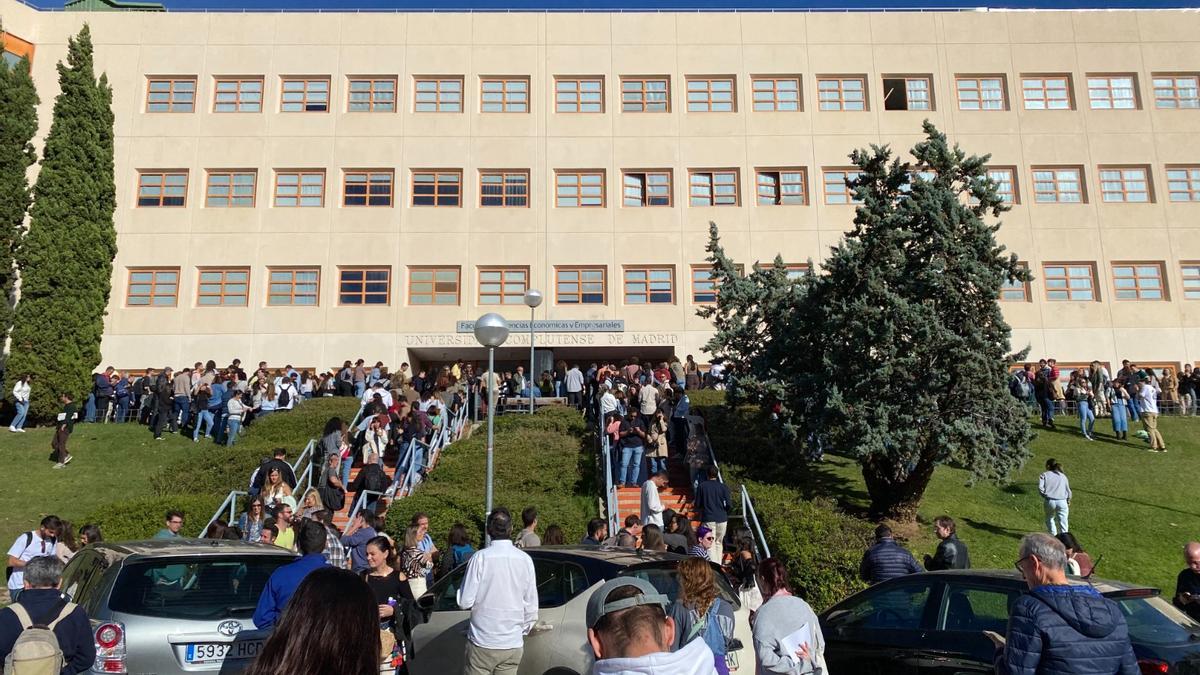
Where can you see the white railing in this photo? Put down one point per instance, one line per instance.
(606, 455)
(230, 503)
(751, 517)
(361, 499)
(304, 478)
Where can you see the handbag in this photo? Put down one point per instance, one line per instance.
(387, 643)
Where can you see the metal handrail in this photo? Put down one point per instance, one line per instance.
(610, 489)
(712, 454)
(751, 517)
(231, 502)
(304, 482)
(306, 453)
(359, 500)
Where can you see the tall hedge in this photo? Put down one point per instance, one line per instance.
(18, 125)
(66, 258)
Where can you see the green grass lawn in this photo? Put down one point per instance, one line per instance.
(111, 461)
(1134, 507)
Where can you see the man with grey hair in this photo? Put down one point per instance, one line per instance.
(500, 589)
(1058, 627)
(41, 604)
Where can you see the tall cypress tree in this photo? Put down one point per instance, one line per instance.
(66, 257)
(18, 125)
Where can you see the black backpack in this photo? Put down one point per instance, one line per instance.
(376, 481)
(285, 397)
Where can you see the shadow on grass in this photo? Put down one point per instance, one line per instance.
(1137, 501)
(995, 529)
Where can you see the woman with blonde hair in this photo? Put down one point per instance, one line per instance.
(311, 503)
(699, 612)
(411, 562)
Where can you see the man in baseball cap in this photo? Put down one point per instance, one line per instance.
(631, 633)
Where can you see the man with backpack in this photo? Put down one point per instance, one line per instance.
(42, 632)
(28, 546)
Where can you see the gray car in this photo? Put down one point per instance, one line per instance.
(169, 606)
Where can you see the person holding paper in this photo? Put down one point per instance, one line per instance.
(787, 634)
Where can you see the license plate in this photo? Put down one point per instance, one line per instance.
(216, 652)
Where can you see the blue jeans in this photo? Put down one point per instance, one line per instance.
(218, 425)
(122, 408)
(235, 426)
(1135, 406)
(180, 410)
(200, 418)
(89, 409)
(657, 464)
(1087, 419)
(19, 421)
(631, 464)
(360, 388)
(1057, 511)
(346, 464)
(1047, 405)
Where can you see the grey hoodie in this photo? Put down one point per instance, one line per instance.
(694, 659)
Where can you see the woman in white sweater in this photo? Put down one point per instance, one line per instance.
(781, 615)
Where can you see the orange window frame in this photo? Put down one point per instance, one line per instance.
(518, 201)
(504, 296)
(961, 85)
(231, 176)
(311, 94)
(709, 88)
(576, 186)
(362, 293)
(15, 45)
(432, 284)
(243, 97)
(1066, 277)
(842, 189)
(145, 182)
(444, 95)
(226, 286)
(369, 182)
(573, 96)
(1058, 192)
(376, 100)
(706, 190)
(175, 88)
(578, 284)
(647, 196)
(841, 90)
(299, 196)
(777, 188)
(1187, 186)
(1007, 292)
(642, 274)
(1046, 89)
(292, 282)
(1125, 183)
(508, 102)
(442, 196)
(774, 99)
(641, 87)
(1176, 99)
(1189, 272)
(152, 295)
(1013, 196)
(1142, 288)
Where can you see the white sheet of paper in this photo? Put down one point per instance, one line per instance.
(790, 643)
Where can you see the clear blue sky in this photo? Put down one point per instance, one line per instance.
(635, 5)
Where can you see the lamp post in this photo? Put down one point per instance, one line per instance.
(533, 298)
(491, 330)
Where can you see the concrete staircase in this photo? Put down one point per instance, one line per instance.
(676, 495)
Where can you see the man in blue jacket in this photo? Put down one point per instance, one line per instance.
(1058, 628)
(310, 539)
(44, 605)
(886, 559)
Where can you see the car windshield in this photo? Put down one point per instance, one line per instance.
(1155, 621)
(195, 588)
(664, 577)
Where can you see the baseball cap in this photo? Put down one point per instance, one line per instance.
(598, 609)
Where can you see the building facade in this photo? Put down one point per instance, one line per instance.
(311, 187)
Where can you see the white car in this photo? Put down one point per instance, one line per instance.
(566, 578)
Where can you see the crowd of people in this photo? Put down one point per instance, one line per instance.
(1133, 394)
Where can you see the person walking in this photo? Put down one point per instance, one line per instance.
(63, 428)
(1147, 394)
(41, 604)
(780, 615)
(1056, 493)
(500, 590)
(713, 501)
(652, 506)
(951, 553)
(1059, 627)
(21, 392)
(885, 560)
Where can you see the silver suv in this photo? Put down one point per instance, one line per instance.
(173, 605)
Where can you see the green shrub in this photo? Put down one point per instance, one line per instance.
(141, 518)
(539, 461)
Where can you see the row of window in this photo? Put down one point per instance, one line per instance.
(639, 188)
(581, 285)
(650, 94)
(427, 285)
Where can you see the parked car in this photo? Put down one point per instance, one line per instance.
(172, 606)
(933, 623)
(566, 577)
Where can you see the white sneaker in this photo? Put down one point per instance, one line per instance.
(68, 459)
(20, 431)
(59, 465)
(12, 430)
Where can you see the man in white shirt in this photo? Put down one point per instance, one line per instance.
(608, 402)
(574, 385)
(377, 388)
(652, 506)
(1147, 392)
(648, 401)
(28, 546)
(500, 589)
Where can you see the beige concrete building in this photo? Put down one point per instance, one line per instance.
(306, 188)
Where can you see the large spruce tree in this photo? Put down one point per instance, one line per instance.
(66, 257)
(897, 353)
(18, 125)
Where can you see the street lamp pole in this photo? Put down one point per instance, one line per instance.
(491, 330)
(533, 298)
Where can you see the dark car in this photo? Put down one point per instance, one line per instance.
(933, 624)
